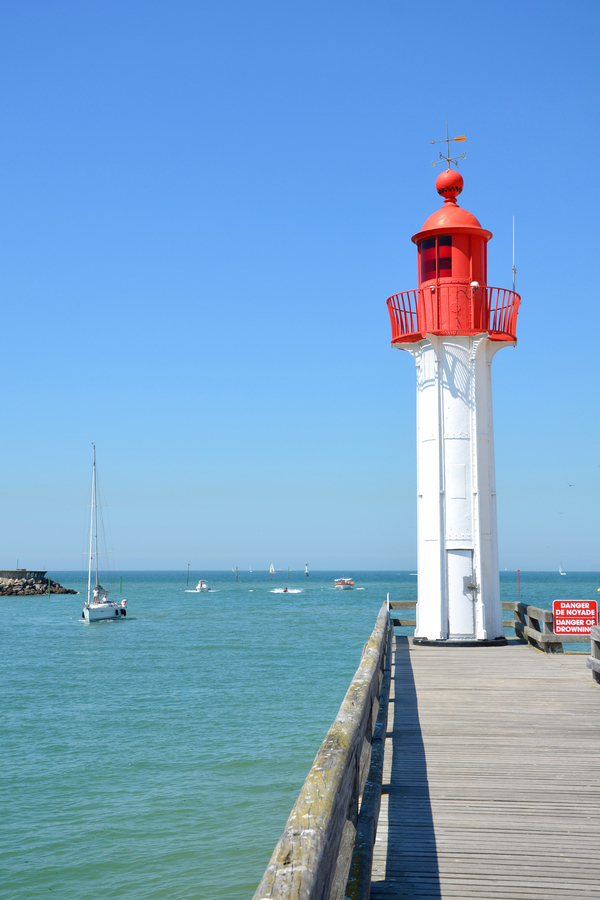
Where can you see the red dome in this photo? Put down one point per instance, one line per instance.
(451, 217)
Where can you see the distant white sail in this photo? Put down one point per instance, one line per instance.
(272, 569)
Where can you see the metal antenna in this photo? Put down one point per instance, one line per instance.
(514, 271)
(449, 159)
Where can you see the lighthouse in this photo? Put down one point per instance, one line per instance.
(453, 324)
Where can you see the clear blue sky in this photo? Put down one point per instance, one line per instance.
(204, 206)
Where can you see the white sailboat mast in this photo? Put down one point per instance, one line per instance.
(95, 522)
(92, 514)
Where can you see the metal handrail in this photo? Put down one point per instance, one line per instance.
(503, 308)
(403, 310)
(411, 318)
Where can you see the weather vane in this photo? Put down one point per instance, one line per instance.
(449, 159)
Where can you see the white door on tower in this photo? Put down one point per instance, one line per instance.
(461, 597)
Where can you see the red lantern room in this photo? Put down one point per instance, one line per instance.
(453, 296)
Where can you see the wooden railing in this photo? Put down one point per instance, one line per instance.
(326, 849)
(532, 625)
(593, 661)
(536, 627)
(403, 604)
(412, 604)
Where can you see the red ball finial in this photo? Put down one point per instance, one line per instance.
(449, 184)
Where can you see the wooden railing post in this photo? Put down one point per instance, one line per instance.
(593, 661)
(536, 627)
(548, 628)
(521, 621)
(535, 624)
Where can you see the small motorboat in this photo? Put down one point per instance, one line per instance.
(343, 584)
(202, 586)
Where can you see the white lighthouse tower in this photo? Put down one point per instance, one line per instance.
(453, 325)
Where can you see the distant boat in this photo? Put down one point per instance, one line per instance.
(98, 607)
(201, 588)
(306, 569)
(343, 584)
(272, 570)
(560, 571)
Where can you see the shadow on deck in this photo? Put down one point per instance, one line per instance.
(410, 857)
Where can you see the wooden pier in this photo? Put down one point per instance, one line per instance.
(453, 772)
(491, 782)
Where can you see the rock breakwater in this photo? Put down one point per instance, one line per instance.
(28, 587)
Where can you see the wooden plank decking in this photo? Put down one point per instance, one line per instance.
(491, 783)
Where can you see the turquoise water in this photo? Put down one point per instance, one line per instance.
(159, 756)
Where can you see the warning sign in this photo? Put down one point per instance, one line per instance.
(574, 616)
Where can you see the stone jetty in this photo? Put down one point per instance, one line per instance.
(21, 583)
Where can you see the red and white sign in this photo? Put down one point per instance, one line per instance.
(574, 616)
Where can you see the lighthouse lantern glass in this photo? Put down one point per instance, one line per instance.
(436, 257)
(428, 259)
(445, 256)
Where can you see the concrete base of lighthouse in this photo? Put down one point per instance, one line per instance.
(457, 549)
(496, 642)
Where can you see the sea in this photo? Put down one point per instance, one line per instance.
(159, 756)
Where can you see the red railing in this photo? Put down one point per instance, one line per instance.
(438, 309)
(403, 309)
(503, 308)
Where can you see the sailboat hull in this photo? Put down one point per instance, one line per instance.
(101, 613)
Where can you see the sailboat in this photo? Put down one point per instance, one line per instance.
(272, 570)
(560, 571)
(98, 607)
